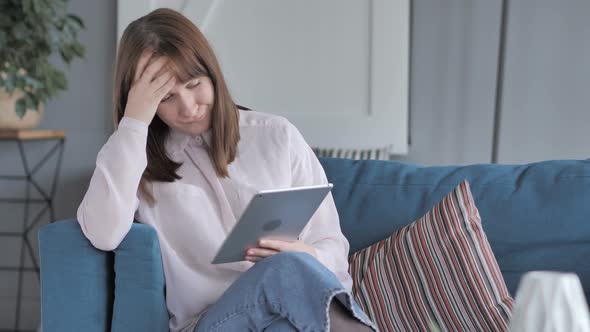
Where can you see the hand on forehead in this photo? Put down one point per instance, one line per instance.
(167, 67)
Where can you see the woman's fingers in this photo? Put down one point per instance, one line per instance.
(261, 252)
(164, 89)
(161, 80)
(141, 64)
(152, 68)
(267, 247)
(277, 245)
(280, 246)
(253, 259)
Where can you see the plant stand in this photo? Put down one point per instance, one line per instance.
(20, 137)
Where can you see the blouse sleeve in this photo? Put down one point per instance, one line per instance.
(108, 208)
(323, 230)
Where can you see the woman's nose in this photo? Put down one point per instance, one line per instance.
(187, 105)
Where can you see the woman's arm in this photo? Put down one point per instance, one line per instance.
(108, 208)
(323, 231)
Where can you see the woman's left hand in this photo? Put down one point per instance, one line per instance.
(268, 248)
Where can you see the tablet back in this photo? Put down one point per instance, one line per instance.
(276, 214)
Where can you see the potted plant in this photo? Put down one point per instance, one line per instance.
(30, 32)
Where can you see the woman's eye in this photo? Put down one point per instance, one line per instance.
(194, 85)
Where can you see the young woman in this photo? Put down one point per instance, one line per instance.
(186, 160)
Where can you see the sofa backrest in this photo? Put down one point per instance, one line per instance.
(536, 216)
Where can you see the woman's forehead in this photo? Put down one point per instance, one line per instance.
(182, 74)
(186, 70)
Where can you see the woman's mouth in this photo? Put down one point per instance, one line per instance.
(198, 117)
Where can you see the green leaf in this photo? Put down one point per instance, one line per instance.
(60, 24)
(31, 5)
(10, 81)
(34, 100)
(54, 36)
(77, 19)
(21, 108)
(66, 54)
(3, 40)
(78, 49)
(33, 83)
(5, 21)
(30, 103)
(20, 82)
(19, 31)
(60, 80)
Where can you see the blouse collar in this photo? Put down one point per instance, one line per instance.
(177, 140)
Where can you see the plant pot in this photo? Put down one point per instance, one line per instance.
(9, 120)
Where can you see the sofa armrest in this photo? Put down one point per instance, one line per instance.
(76, 280)
(140, 303)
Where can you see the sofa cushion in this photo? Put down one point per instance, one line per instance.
(535, 215)
(439, 269)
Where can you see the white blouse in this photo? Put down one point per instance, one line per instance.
(193, 215)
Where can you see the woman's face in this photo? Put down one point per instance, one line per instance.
(187, 107)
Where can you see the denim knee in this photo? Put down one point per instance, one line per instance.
(292, 266)
(289, 258)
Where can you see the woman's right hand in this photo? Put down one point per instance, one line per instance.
(151, 83)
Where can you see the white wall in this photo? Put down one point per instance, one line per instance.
(452, 81)
(547, 84)
(546, 104)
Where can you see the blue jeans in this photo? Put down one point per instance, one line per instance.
(288, 291)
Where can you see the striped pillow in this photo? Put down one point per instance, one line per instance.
(438, 270)
(382, 153)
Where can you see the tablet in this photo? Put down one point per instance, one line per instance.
(274, 214)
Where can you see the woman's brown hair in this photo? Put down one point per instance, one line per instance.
(172, 35)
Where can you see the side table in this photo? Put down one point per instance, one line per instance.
(20, 137)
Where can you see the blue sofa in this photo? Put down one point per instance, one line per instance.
(536, 217)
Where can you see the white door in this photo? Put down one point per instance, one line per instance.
(337, 69)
